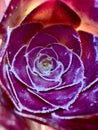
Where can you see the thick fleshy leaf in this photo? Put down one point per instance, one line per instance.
(82, 114)
(86, 105)
(90, 100)
(21, 36)
(40, 84)
(65, 35)
(31, 55)
(19, 67)
(87, 123)
(42, 40)
(63, 98)
(88, 12)
(89, 58)
(49, 51)
(4, 81)
(64, 55)
(11, 121)
(79, 124)
(53, 12)
(73, 124)
(75, 74)
(26, 100)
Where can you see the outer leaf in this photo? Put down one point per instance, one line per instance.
(52, 12)
(15, 12)
(88, 12)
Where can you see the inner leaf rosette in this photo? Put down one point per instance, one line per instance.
(42, 74)
(48, 64)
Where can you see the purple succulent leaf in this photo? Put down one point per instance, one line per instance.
(19, 37)
(41, 39)
(39, 117)
(89, 58)
(64, 55)
(4, 82)
(62, 98)
(82, 114)
(88, 102)
(49, 51)
(75, 74)
(87, 123)
(26, 100)
(65, 35)
(85, 106)
(19, 67)
(41, 84)
(31, 56)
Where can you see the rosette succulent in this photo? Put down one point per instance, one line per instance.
(49, 70)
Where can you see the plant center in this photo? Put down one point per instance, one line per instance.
(46, 65)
